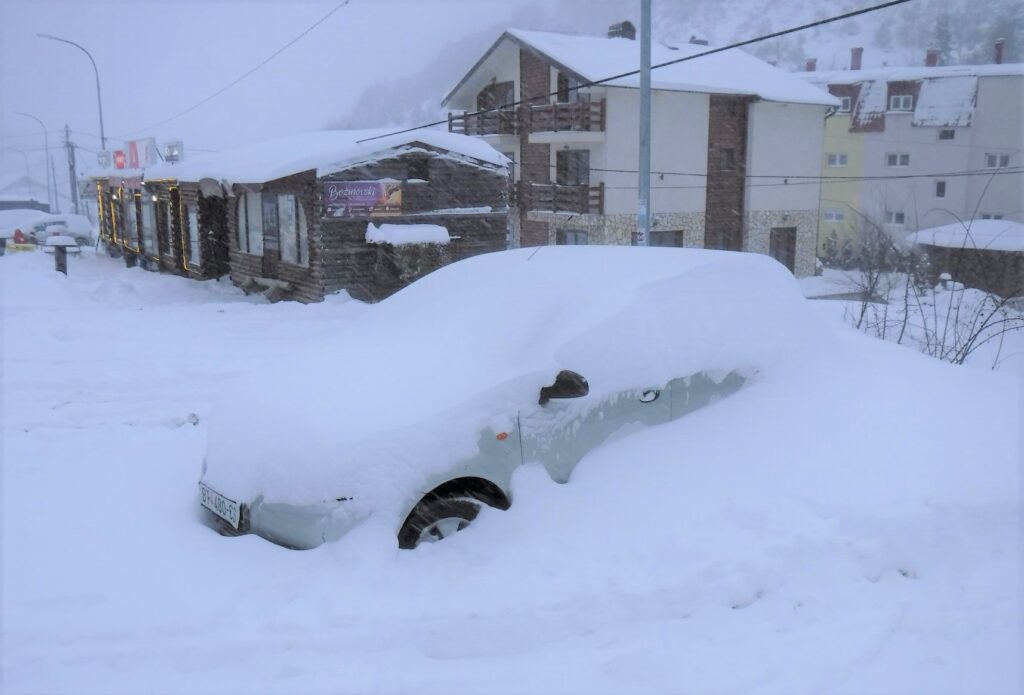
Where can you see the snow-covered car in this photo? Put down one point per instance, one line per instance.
(419, 409)
(77, 226)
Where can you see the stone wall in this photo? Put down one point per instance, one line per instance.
(618, 230)
(759, 224)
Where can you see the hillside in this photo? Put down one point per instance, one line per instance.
(963, 30)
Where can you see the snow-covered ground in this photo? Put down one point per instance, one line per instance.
(850, 525)
(949, 321)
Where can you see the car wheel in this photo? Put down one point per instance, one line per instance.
(434, 519)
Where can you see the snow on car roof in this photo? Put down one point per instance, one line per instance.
(729, 72)
(471, 343)
(324, 151)
(991, 235)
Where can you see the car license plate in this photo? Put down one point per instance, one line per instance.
(228, 510)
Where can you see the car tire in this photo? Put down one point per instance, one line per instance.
(436, 518)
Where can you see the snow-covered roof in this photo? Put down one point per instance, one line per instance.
(990, 235)
(325, 151)
(730, 72)
(406, 234)
(908, 73)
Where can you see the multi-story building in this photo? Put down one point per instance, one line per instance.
(917, 147)
(731, 136)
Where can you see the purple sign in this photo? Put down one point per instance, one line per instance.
(362, 198)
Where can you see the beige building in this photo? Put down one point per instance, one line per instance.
(731, 138)
(920, 147)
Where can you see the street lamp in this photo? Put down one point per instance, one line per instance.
(50, 199)
(99, 100)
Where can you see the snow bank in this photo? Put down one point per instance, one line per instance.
(474, 341)
(403, 234)
(990, 235)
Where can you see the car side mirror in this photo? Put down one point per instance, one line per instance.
(568, 384)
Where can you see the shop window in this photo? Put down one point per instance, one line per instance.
(250, 223)
(292, 230)
(148, 221)
(164, 218)
(131, 222)
(195, 253)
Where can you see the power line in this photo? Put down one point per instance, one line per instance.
(630, 73)
(989, 172)
(243, 75)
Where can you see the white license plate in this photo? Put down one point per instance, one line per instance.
(228, 510)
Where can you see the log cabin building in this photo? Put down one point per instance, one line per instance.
(289, 217)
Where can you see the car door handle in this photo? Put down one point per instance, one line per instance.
(649, 396)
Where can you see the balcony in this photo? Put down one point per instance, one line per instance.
(503, 122)
(578, 117)
(551, 197)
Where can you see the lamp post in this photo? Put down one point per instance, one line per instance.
(99, 100)
(50, 198)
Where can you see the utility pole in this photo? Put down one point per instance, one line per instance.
(71, 167)
(53, 174)
(643, 220)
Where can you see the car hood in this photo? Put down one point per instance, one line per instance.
(405, 389)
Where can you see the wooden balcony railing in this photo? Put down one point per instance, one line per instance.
(574, 116)
(580, 116)
(551, 197)
(505, 122)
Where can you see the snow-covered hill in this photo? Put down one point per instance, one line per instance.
(963, 30)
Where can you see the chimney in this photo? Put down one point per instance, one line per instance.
(812, 64)
(931, 58)
(999, 51)
(622, 30)
(698, 42)
(856, 54)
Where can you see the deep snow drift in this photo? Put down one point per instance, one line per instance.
(849, 524)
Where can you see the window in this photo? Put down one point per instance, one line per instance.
(834, 215)
(572, 168)
(293, 231)
(947, 134)
(666, 237)
(194, 246)
(901, 102)
(250, 223)
(419, 168)
(989, 216)
(897, 160)
(148, 225)
(131, 223)
(846, 104)
(571, 237)
(837, 160)
(728, 155)
(895, 218)
(940, 189)
(568, 89)
(996, 161)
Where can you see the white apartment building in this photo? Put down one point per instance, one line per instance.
(736, 143)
